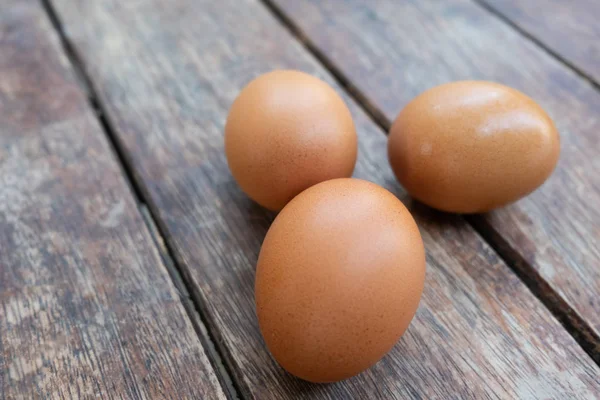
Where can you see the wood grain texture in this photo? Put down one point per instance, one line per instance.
(87, 309)
(400, 49)
(571, 29)
(167, 73)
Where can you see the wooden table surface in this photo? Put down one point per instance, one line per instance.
(127, 251)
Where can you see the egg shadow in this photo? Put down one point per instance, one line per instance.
(423, 214)
(250, 220)
(446, 222)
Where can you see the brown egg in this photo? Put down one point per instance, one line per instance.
(470, 146)
(339, 278)
(285, 132)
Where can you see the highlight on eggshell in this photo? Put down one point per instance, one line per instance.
(472, 146)
(338, 279)
(285, 132)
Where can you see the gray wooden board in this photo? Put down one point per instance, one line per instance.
(166, 72)
(391, 51)
(570, 29)
(87, 309)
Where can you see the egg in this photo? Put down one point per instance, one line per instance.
(339, 278)
(472, 146)
(285, 132)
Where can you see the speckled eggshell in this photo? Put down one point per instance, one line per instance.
(472, 146)
(285, 132)
(339, 278)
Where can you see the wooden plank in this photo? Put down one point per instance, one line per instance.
(400, 49)
(166, 74)
(570, 29)
(87, 309)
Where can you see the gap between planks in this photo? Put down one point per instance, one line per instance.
(190, 306)
(575, 325)
(539, 43)
(191, 303)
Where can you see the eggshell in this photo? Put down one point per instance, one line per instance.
(472, 146)
(285, 132)
(338, 280)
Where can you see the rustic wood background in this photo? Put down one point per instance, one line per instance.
(127, 251)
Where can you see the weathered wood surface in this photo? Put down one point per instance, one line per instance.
(399, 49)
(571, 29)
(167, 73)
(87, 309)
